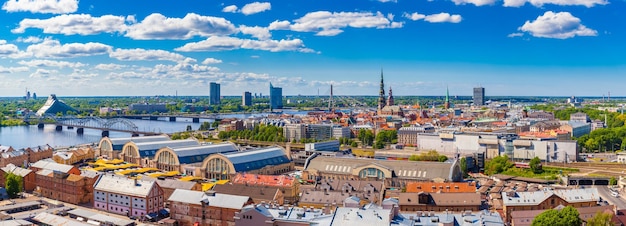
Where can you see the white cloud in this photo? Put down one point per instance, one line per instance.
(109, 67)
(43, 73)
(158, 27)
(30, 39)
(230, 9)
(517, 34)
(41, 6)
(414, 16)
(256, 31)
(255, 7)
(211, 61)
(7, 49)
(560, 25)
(434, 18)
(53, 49)
(146, 54)
(12, 69)
(475, 2)
(230, 43)
(540, 3)
(326, 23)
(75, 24)
(384, 1)
(443, 17)
(51, 63)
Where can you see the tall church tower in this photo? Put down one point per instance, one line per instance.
(390, 98)
(381, 93)
(446, 105)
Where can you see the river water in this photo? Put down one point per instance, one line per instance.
(31, 136)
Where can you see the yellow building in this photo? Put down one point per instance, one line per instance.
(73, 155)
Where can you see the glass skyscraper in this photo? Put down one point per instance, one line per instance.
(276, 97)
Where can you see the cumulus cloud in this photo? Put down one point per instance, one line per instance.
(230, 9)
(41, 6)
(326, 23)
(146, 54)
(7, 49)
(158, 27)
(384, 1)
(474, 2)
(54, 49)
(51, 63)
(4, 70)
(255, 7)
(211, 61)
(43, 73)
(30, 39)
(540, 3)
(560, 25)
(435, 18)
(256, 31)
(109, 67)
(216, 43)
(75, 24)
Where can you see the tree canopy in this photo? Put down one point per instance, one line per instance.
(497, 165)
(601, 219)
(13, 184)
(567, 216)
(535, 165)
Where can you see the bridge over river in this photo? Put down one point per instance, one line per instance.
(89, 122)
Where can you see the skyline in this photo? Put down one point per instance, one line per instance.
(509, 47)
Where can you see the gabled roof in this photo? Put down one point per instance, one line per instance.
(143, 139)
(536, 197)
(10, 168)
(218, 200)
(257, 159)
(173, 184)
(122, 185)
(53, 166)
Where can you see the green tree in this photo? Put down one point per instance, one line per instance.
(497, 165)
(535, 165)
(463, 164)
(601, 219)
(568, 216)
(13, 184)
(613, 181)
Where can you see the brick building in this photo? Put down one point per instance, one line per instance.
(194, 207)
(28, 177)
(8, 155)
(63, 182)
(126, 196)
(548, 199)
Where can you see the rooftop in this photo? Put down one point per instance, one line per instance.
(123, 185)
(218, 200)
(270, 180)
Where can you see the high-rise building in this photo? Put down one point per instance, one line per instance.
(479, 96)
(381, 93)
(214, 93)
(246, 99)
(276, 97)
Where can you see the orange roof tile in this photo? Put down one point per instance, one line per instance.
(270, 180)
(432, 187)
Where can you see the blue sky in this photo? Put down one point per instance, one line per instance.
(141, 47)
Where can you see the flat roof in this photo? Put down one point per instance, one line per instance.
(102, 218)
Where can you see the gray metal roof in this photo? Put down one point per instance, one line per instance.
(10, 168)
(102, 218)
(204, 149)
(15, 223)
(122, 185)
(536, 197)
(124, 140)
(43, 164)
(156, 145)
(54, 220)
(236, 202)
(256, 159)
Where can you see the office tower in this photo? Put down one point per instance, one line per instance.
(246, 99)
(479, 96)
(214, 93)
(276, 97)
(381, 93)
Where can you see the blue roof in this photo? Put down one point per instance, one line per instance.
(257, 159)
(195, 154)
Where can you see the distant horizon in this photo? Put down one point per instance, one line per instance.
(423, 47)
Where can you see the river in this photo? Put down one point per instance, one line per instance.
(31, 136)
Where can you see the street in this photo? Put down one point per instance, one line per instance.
(605, 193)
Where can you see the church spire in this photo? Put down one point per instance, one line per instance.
(390, 98)
(381, 93)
